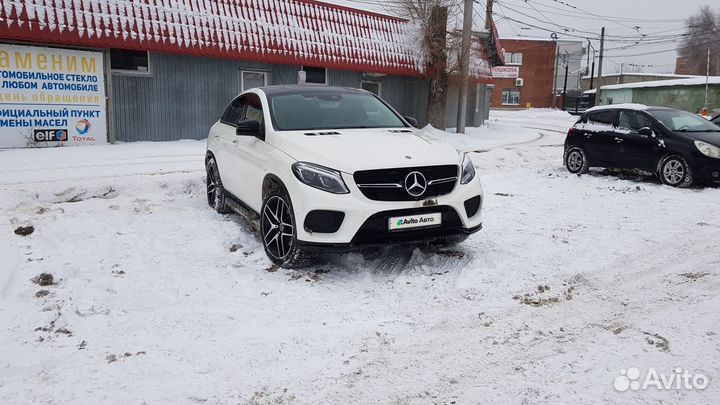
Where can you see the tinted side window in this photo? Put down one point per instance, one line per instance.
(253, 110)
(633, 120)
(233, 113)
(606, 117)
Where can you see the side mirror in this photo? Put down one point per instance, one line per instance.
(412, 121)
(646, 131)
(249, 128)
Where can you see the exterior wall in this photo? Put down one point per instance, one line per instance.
(616, 96)
(478, 106)
(182, 96)
(537, 71)
(688, 98)
(681, 66)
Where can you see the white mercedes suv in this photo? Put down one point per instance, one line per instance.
(326, 168)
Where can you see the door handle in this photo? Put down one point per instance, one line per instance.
(618, 140)
(235, 142)
(588, 136)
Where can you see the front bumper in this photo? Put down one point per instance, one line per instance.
(707, 169)
(365, 221)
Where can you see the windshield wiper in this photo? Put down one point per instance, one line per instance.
(697, 130)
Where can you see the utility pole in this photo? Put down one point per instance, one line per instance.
(707, 77)
(464, 67)
(488, 15)
(565, 84)
(588, 55)
(598, 93)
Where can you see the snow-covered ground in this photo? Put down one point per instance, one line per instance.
(157, 299)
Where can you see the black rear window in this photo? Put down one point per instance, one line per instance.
(602, 117)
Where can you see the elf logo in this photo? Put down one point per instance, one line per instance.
(50, 135)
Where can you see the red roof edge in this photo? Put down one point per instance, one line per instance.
(357, 10)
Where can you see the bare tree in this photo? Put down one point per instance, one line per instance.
(432, 19)
(703, 33)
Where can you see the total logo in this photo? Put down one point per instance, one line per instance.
(82, 127)
(50, 135)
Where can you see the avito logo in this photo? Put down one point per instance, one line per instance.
(50, 135)
(82, 126)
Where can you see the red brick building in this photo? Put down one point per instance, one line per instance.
(527, 78)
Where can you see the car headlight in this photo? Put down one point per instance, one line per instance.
(468, 170)
(320, 177)
(707, 149)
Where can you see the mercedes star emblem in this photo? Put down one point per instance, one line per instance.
(415, 184)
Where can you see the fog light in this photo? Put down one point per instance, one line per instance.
(716, 174)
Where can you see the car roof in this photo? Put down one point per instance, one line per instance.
(299, 88)
(624, 106)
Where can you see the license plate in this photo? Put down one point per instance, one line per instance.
(414, 221)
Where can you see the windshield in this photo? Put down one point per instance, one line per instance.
(683, 121)
(323, 110)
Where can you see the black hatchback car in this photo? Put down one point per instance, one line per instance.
(679, 147)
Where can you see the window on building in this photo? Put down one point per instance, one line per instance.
(315, 75)
(513, 58)
(251, 79)
(372, 87)
(131, 61)
(511, 96)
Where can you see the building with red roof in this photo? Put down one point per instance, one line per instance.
(165, 69)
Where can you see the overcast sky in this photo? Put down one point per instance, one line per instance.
(661, 21)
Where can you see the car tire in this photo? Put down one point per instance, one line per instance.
(674, 170)
(576, 160)
(278, 231)
(215, 191)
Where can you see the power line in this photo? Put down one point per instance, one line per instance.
(606, 18)
(704, 44)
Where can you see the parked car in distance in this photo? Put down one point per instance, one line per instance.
(325, 168)
(679, 147)
(583, 103)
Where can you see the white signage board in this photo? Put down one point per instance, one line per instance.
(51, 97)
(506, 72)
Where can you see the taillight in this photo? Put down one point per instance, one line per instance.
(572, 131)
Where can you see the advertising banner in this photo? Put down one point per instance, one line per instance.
(506, 72)
(51, 97)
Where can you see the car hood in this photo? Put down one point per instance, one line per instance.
(361, 149)
(712, 138)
